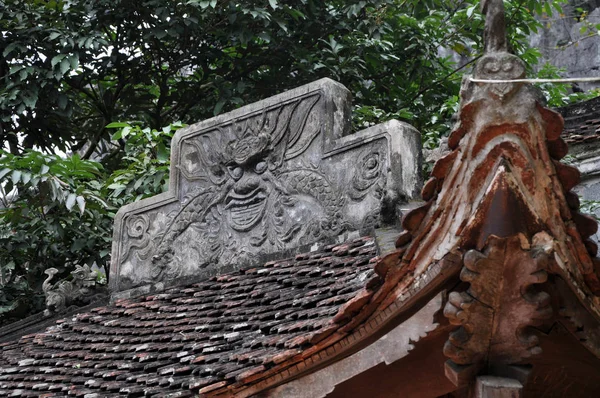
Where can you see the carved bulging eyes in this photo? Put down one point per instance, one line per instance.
(236, 172)
(507, 67)
(216, 170)
(371, 163)
(492, 67)
(260, 167)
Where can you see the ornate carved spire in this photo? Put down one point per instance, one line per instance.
(501, 200)
(494, 36)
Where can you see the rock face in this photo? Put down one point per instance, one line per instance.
(564, 44)
(269, 177)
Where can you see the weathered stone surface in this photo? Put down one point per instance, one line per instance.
(570, 42)
(265, 178)
(80, 290)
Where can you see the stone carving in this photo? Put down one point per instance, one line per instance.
(367, 173)
(272, 176)
(253, 192)
(79, 291)
(494, 34)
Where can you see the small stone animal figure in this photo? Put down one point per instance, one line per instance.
(65, 293)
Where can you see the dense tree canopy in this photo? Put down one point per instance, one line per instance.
(101, 78)
(69, 68)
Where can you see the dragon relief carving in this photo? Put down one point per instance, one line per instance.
(248, 195)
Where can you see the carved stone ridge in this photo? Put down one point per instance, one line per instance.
(274, 175)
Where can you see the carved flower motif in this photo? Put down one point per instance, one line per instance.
(248, 147)
(137, 225)
(366, 175)
(370, 166)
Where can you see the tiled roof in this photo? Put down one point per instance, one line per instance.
(582, 121)
(225, 331)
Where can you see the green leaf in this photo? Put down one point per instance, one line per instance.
(9, 49)
(125, 132)
(62, 101)
(64, 66)
(70, 202)
(4, 172)
(74, 61)
(25, 177)
(116, 125)
(56, 59)
(273, 4)
(78, 244)
(117, 136)
(470, 11)
(14, 69)
(218, 107)
(116, 186)
(162, 153)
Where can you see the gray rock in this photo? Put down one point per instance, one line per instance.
(269, 177)
(564, 44)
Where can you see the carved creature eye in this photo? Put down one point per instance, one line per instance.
(216, 170)
(260, 167)
(492, 67)
(507, 67)
(236, 172)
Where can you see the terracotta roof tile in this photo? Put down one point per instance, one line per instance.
(203, 337)
(582, 121)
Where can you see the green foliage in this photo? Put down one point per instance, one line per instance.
(558, 94)
(69, 69)
(144, 170)
(52, 213)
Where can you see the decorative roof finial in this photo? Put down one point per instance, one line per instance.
(494, 36)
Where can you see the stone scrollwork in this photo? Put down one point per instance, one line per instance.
(368, 174)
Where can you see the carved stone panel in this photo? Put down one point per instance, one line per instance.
(266, 178)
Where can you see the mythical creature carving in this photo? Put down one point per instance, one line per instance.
(80, 290)
(263, 179)
(251, 193)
